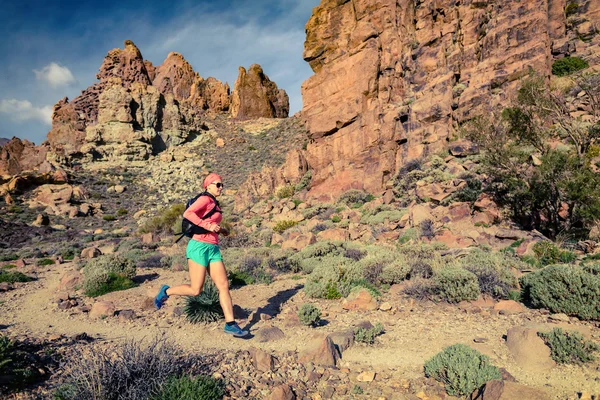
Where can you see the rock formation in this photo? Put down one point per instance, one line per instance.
(255, 96)
(394, 79)
(137, 109)
(20, 155)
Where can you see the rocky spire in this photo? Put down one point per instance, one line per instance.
(255, 96)
(127, 64)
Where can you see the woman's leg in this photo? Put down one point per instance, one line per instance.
(197, 277)
(218, 274)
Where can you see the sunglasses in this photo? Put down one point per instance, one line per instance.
(218, 184)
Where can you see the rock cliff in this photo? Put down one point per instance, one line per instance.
(392, 80)
(20, 155)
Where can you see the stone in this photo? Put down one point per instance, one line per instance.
(559, 317)
(299, 241)
(388, 197)
(506, 390)
(342, 340)
(102, 309)
(41, 220)
(528, 349)
(386, 306)
(20, 155)
(119, 189)
(320, 351)
(269, 334)
(506, 307)
(90, 252)
(150, 237)
(463, 148)
(261, 360)
(282, 392)
(366, 376)
(5, 286)
(334, 234)
(126, 315)
(20, 263)
(220, 142)
(360, 300)
(71, 280)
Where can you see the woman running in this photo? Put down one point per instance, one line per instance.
(203, 254)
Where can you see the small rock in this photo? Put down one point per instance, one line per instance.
(41, 220)
(366, 376)
(102, 309)
(5, 287)
(126, 315)
(559, 317)
(506, 307)
(480, 340)
(385, 306)
(119, 189)
(90, 252)
(20, 263)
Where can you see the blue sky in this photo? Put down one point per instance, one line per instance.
(53, 49)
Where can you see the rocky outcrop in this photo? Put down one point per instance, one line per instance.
(255, 96)
(20, 155)
(394, 79)
(137, 109)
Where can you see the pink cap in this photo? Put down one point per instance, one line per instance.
(212, 177)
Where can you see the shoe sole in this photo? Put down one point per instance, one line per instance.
(237, 335)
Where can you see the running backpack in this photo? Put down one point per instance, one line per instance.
(188, 228)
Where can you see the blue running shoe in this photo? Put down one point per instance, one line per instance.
(235, 330)
(161, 297)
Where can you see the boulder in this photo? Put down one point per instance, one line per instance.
(71, 280)
(102, 309)
(321, 351)
(262, 361)
(360, 300)
(90, 252)
(299, 241)
(269, 334)
(282, 392)
(528, 349)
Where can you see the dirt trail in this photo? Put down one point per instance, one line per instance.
(413, 332)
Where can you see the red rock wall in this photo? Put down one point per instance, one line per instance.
(394, 79)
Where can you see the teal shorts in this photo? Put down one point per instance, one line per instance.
(203, 253)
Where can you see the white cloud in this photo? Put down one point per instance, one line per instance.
(23, 110)
(56, 75)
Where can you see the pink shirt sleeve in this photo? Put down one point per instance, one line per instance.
(199, 208)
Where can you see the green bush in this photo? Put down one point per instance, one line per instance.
(354, 197)
(309, 315)
(546, 252)
(205, 307)
(335, 219)
(284, 225)
(563, 289)
(108, 273)
(185, 387)
(109, 217)
(15, 365)
(368, 335)
(455, 285)
(14, 276)
(164, 221)
(569, 347)
(304, 182)
(285, 192)
(122, 211)
(568, 65)
(46, 261)
(461, 369)
(571, 9)
(493, 271)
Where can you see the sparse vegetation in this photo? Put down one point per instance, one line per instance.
(567, 289)
(164, 221)
(569, 65)
(14, 276)
(127, 371)
(568, 347)
(455, 285)
(108, 273)
(285, 192)
(284, 225)
(205, 307)
(461, 369)
(185, 387)
(368, 335)
(309, 314)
